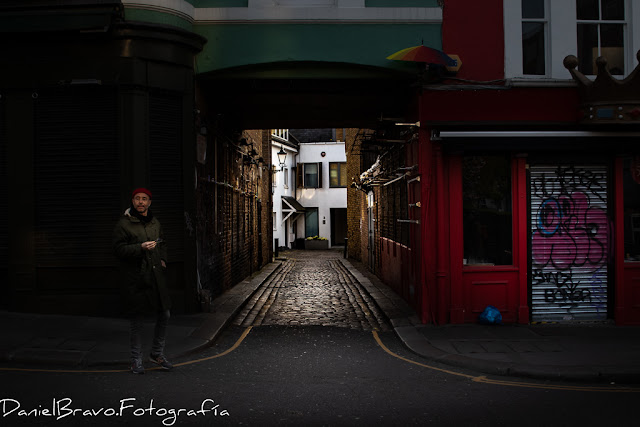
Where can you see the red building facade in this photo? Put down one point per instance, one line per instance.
(528, 189)
(530, 193)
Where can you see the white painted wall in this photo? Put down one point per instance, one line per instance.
(561, 38)
(280, 189)
(324, 198)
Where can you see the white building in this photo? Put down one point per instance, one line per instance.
(309, 190)
(321, 180)
(286, 210)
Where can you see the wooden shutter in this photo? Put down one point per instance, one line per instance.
(300, 175)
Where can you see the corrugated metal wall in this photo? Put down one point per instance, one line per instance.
(165, 152)
(569, 242)
(77, 180)
(4, 196)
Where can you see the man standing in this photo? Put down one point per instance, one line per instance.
(139, 245)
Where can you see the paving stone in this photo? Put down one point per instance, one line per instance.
(523, 347)
(548, 346)
(313, 290)
(464, 347)
(496, 347)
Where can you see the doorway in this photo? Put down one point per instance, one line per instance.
(338, 226)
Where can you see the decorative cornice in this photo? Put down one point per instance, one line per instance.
(607, 99)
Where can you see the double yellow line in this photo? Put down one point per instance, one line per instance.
(478, 379)
(485, 380)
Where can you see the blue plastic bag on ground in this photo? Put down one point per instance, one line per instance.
(490, 316)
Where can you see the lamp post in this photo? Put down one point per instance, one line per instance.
(282, 157)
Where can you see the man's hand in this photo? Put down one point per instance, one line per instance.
(148, 246)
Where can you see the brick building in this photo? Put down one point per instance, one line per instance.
(384, 205)
(234, 207)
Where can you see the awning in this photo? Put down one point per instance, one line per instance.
(291, 204)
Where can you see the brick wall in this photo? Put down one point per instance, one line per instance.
(234, 207)
(355, 197)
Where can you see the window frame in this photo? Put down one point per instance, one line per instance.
(562, 41)
(340, 175)
(547, 42)
(512, 194)
(302, 182)
(599, 22)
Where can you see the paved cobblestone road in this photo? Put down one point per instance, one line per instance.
(312, 288)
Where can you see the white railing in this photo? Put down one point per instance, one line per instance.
(280, 133)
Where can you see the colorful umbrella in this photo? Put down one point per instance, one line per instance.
(424, 54)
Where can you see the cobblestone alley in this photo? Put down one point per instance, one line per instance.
(312, 288)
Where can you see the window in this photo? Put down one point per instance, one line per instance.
(601, 32)
(539, 34)
(285, 175)
(309, 175)
(337, 174)
(275, 221)
(631, 188)
(534, 36)
(274, 178)
(486, 192)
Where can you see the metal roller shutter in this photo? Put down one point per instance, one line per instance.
(77, 180)
(569, 242)
(165, 146)
(4, 196)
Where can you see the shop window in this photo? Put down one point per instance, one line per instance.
(631, 188)
(486, 189)
(337, 174)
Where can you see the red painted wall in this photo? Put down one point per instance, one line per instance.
(521, 105)
(473, 30)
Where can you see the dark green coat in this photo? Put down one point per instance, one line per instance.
(144, 286)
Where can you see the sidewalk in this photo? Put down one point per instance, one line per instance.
(579, 352)
(57, 342)
(594, 353)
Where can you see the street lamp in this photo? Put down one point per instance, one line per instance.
(282, 157)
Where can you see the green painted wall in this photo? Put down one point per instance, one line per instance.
(155, 17)
(401, 3)
(232, 45)
(219, 3)
(367, 3)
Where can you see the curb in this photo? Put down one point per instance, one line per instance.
(418, 344)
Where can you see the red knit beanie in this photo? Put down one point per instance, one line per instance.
(141, 190)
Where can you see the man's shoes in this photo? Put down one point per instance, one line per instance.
(161, 361)
(137, 367)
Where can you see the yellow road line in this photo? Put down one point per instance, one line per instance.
(485, 380)
(102, 371)
(224, 353)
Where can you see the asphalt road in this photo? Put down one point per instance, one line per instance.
(312, 375)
